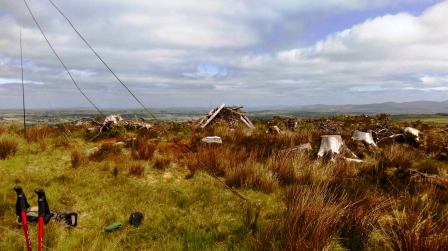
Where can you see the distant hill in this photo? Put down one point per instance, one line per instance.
(415, 107)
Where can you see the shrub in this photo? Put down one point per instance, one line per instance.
(7, 148)
(137, 170)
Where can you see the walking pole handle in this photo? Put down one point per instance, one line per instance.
(42, 211)
(21, 208)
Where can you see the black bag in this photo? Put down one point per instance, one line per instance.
(135, 219)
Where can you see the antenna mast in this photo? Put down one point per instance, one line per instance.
(23, 86)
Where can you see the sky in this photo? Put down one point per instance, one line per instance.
(201, 53)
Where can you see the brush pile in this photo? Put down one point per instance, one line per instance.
(231, 115)
(111, 122)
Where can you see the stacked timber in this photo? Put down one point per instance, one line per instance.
(232, 115)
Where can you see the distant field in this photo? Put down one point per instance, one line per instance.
(61, 116)
(430, 119)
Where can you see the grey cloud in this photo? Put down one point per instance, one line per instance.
(158, 47)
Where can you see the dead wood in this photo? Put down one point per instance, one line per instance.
(232, 115)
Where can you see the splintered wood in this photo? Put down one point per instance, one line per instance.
(229, 114)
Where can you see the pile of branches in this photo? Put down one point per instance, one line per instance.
(112, 121)
(232, 115)
(328, 125)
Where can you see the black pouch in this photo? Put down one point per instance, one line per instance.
(135, 219)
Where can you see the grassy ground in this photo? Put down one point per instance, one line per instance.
(293, 202)
(193, 214)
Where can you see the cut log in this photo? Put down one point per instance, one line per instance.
(213, 116)
(354, 160)
(212, 140)
(247, 121)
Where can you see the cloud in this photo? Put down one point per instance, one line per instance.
(434, 80)
(193, 52)
(392, 49)
(4, 81)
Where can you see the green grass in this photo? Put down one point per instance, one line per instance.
(180, 214)
(430, 119)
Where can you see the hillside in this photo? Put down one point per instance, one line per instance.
(255, 191)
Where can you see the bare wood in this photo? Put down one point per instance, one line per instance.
(213, 116)
(245, 122)
(248, 120)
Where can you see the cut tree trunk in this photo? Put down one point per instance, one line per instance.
(365, 137)
(330, 144)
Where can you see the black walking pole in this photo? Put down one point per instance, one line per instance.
(21, 208)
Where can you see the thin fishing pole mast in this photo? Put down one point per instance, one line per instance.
(59, 58)
(23, 87)
(101, 59)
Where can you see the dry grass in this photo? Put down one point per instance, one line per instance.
(143, 149)
(7, 148)
(104, 151)
(77, 158)
(416, 226)
(161, 162)
(313, 217)
(137, 170)
(320, 205)
(287, 168)
(251, 175)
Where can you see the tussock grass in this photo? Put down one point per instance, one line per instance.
(143, 149)
(77, 158)
(8, 147)
(313, 217)
(415, 225)
(137, 170)
(251, 175)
